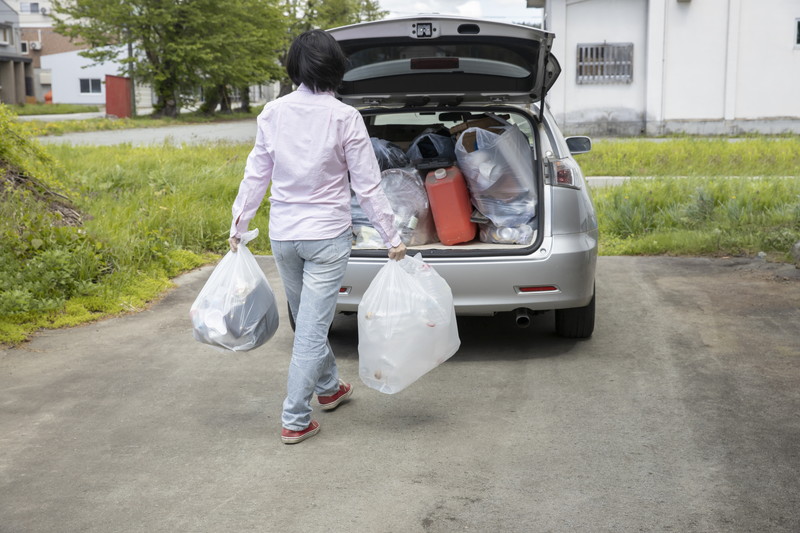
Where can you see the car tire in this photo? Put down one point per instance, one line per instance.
(577, 322)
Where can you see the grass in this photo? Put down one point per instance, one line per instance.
(154, 212)
(693, 156)
(701, 216)
(148, 198)
(151, 213)
(51, 109)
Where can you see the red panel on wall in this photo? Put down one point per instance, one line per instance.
(118, 96)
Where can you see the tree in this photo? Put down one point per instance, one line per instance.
(304, 15)
(180, 44)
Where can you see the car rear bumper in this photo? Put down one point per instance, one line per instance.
(559, 275)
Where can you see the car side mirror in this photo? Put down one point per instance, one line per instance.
(579, 145)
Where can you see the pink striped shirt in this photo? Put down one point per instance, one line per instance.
(305, 145)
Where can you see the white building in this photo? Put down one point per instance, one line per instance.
(16, 72)
(663, 66)
(75, 80)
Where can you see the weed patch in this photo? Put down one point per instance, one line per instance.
(700, 216)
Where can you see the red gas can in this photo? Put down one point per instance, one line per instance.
(450, 205)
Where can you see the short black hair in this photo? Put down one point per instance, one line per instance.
(317, 60)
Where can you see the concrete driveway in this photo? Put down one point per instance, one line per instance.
(679, 414)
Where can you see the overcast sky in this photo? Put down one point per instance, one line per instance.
(499, 10)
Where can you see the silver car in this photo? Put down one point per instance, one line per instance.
(419, 74)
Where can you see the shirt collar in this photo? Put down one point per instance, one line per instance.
(304, 88)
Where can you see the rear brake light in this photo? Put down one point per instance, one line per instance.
(344, 290)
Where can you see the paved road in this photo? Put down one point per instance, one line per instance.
(233, 131)
(679, 414)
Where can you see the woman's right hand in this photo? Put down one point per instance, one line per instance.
(234, 242)
(398, 252)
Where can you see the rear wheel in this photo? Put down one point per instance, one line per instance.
(577, 322)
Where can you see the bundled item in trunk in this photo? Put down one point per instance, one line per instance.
(434, 144)
(409, 201)
(236, 308)
(389, 155)
(367, 237)
(406, 325)
(412, 211)
(499, 171)
(522, 234)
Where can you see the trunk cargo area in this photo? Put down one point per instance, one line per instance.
(459, 182)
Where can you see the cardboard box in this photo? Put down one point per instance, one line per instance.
(469, 138)
(485, 123)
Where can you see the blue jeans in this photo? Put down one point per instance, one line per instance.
(312, 273)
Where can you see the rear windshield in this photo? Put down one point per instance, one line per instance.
(471, 58)
(380, 124)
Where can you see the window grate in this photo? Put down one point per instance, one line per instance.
(605, 63)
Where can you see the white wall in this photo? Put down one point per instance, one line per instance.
(35, 20)
(695, 48)
(598, 21)
(619, 21)
(67, 69)
(702, 66)
(768, 68)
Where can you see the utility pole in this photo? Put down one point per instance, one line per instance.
(130, 75)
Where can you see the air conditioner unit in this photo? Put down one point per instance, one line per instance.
(36, 45)
(44, 11)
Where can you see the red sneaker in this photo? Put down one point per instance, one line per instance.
(289, 436)
(326, 403)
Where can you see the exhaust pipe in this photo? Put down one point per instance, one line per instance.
(522, 318)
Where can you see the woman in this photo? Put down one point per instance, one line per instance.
(306, 145)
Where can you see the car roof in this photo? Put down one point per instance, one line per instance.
(445, 61)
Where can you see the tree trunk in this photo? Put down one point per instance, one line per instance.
(210, 100)
(166, 101)
(244, 93)
(224, 99)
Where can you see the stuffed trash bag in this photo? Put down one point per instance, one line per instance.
(388, 154)
(498, 167)
(406, 325)
(406, 193)
(236, 308)
(431, 145)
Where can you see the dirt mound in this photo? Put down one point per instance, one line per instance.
(12, 179)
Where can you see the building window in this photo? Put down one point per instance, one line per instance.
(23, 47)
(29, 7)
(90, 85)
(797, 32)
(6, 35)
(605, 63)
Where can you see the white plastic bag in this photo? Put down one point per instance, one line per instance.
(406, 325)
(236, 308)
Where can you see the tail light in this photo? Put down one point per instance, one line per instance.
(565, 173)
